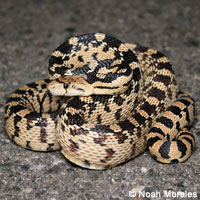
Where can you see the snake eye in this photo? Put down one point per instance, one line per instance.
(66, 85)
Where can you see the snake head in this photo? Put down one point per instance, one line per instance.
(70, 86)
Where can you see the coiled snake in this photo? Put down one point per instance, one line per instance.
(104, 102)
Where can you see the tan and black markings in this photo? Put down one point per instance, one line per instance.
(30, 118)
(104, 102)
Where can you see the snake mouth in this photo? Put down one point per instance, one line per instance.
(70, 86)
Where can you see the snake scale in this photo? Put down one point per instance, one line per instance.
(104, 103)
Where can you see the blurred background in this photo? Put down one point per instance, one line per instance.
(30, 30)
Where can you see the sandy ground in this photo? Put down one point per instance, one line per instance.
(31, 30)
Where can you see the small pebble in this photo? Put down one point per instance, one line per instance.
(144, 170)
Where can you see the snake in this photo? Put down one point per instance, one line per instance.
(104, 103)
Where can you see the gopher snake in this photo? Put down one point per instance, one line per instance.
(107, 101)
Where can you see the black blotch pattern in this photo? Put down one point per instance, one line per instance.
(152, 140)
(66, 58)
(178, 125)
(175, 110)
(86, 38)
(17, 108)
(107, 108)
(74, 119)
(56, 60)
(129, 90)
(167, 66)
(32, 116)
(110, 153)
(157, 55)
(127, 70)
(76, 103)
(47, 80)
(103, 99)
(86, 164)
(17, 118)
(129, 56)
(100, 140)
(154, 157)
(32, 85)
(92, 107)
(118, 114)
(141, 49)
(43, 130)
(101, 129)
(186, 133)
(79, 131)
(80, 59)
(185, 102)
(13, 99)
(189, 140)
(54, 114)
(126, 125)
(117, 55)
(65, 48)
(60, 70)
(18, 91)
(156, 130)
(148, 108)
(94, 55)
(157, 93)
(61, 112)
(174, 161)
(43, 86)
(29, 126)
(42, 123)
(182, 148)
(99, 119)
(119, 100)
(50, 147)
(120, 137)
(28, 145)
(31, 93)
(71, 65)
(103, 63)
(187, 114)
(74, 145)
(166, 121)
(167, 136)
(103, 161)
(12, 137)
(63, 127)
(166, 80)
(137, 87)
(81, 70)
(112, 42)
(105, 48)
(165, 149)
(139, 118)
(82, 141)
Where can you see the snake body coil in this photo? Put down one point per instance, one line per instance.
(104, 103)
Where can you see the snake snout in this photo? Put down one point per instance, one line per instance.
(56, 88)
